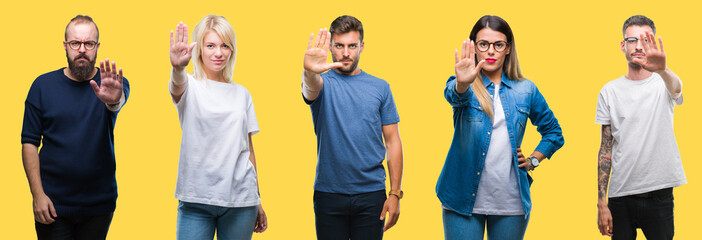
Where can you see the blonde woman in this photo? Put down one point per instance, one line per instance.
(484, 183)
(217, 184)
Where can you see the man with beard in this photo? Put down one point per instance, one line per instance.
(352, 113)
(71, 112)
(639, 160)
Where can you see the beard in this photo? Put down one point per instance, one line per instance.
(81, 72)
(630, 59)
(351, 68)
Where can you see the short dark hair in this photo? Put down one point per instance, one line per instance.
(345, 24)
(81, 19)
(638, 20)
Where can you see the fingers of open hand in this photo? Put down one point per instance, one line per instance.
(464, 47)
(652, 40)
(310, 42)
(660, 41)
(327, 40)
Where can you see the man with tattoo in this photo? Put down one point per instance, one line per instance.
(639, 153)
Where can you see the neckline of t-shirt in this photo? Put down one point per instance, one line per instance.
(642, 81)
(362, 73)
(77, 83)
(220, 83)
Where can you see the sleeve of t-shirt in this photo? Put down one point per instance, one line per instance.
(388, 110)
(251, 121)
(180, 105)
(32, 125)
(603, 115)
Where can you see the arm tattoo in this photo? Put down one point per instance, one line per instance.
(604, 161)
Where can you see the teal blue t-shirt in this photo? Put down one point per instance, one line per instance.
(348, 117)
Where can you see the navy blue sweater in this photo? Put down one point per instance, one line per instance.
(75, 130)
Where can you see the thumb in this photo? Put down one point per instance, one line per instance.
(334, 65)
(382, 213)
(192, 45)
(52, 210)
(638, 61)
(480, 65)
(95, 86)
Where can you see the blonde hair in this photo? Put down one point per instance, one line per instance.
(510, 67)
(224, 30)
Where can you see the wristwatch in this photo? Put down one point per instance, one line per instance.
(533, 161)
(397, 193)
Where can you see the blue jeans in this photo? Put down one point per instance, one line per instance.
(651, 211)
(457, 226)
(349, 216)
(199, 221)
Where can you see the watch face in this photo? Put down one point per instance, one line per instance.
(534, 161)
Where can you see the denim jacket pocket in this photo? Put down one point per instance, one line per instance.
(474, 113)
(522, 118)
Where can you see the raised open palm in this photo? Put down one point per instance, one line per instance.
(466, 70)
(110, 89)
(654, 59)
(316, 54)
(180, 51)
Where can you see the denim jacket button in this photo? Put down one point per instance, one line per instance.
(478, 173)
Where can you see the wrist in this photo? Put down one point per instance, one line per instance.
(663, 71)
(397, 193)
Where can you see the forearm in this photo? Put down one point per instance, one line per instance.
(30, 160)
(672, 82)
(453, 96)
(116, 106)
(178, 82)
(604, 165)
(311, 85)
(252, 158)
(538, 155)
(395, 164)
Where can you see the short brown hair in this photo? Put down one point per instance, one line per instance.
(638, 20)
(81, 19)
(344, 24)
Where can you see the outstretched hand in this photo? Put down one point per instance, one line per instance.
(110, 89)
(180, 51)
(654, 59)
(466, 69)
(316, 55)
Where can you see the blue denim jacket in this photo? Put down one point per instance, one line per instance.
(458, 182)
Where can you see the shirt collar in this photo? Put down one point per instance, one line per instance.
(504, 81)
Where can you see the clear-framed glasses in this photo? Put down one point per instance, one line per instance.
(75, 45)
(633, 40)
(499, 46)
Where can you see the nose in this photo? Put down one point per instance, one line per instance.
(640, 43)
(491, 49)
(218, 52)
(82, 49)
(346, 51)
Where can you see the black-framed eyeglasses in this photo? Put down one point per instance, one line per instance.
(633, 40)
(75, 45)
(499, 46)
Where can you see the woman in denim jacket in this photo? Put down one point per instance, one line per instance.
(484, 182)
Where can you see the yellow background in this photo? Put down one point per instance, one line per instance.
(569, 49)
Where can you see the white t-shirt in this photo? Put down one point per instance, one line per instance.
(214, 166)
(498, 190)
(645, 155)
